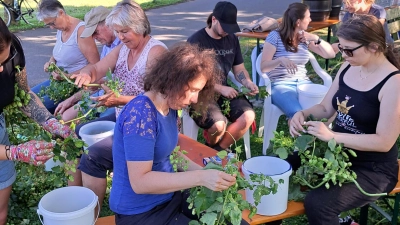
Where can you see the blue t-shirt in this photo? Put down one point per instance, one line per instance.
(141, 134)
(300, 58)
(380, 13)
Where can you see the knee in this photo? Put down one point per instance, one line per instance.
(219, 127)
(247, 118)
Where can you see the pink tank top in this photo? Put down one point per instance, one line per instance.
(133, 79)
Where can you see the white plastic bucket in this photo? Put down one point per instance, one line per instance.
(311, 94)
(96, 131)
(51, 163)
(68, 205)
(276, 168)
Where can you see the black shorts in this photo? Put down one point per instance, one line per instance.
(214, 113)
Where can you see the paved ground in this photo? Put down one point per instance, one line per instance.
(169, 24)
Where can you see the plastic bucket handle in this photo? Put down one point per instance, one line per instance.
(97, 217)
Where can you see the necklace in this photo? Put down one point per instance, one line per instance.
(368, 73)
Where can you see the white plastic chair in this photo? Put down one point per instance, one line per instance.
(191, 129)
(271, 113)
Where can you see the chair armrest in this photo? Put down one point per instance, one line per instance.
(321, 72)
(231, 77)
(267, 81)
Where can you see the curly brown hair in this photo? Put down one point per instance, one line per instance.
(172, 71)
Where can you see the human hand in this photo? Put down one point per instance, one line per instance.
(296, 124)
(32, 152)
(46, 66)
(319, 130)
(228, 92)
(109, 99)
(53, 126)
(81, 79)
(306, 37)
(216, 180)
(64, 105)
(288, 64)
(251, 86)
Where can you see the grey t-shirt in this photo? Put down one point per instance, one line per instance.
(380, 13)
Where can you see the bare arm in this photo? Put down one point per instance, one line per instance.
(324, 49)
(267, 63)
(243, 77)
(35, 108)
(88, 47)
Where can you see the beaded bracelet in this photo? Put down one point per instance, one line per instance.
(7, 147)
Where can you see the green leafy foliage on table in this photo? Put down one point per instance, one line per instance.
(322, 163)
(225, 207)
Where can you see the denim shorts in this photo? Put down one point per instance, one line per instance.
(7, 167)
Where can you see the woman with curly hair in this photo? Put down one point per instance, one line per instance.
(145, 188)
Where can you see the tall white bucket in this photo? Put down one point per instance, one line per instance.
(276, 168)
(68, 205)
(311, 94)
(96, 131)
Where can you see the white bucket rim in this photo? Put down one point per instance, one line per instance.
(101, 135)
(75, 214)
(310, 93)
(250, 172)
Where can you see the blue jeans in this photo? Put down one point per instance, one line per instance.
(285, 96)
(47, 102)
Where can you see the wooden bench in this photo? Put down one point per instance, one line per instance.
(197, 151)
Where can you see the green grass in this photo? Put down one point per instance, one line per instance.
(78, 9)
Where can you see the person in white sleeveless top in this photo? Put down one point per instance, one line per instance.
(285, 55)
(129, 63)
(70, 52)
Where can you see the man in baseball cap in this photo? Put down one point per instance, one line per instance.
(219, 35)
(96, 27)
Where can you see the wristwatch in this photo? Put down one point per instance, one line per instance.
(318, 41)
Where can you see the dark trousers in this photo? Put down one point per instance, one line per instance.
(174, 212)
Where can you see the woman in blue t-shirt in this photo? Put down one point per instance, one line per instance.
(285, 55)
(365, 96)
(145, 188)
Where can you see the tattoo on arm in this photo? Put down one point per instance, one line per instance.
(241, 77)
(22, 80)
(34, 109)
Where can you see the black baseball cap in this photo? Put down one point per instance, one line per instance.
(226, 14)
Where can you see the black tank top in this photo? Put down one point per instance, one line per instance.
(7, 76)
(358, 113)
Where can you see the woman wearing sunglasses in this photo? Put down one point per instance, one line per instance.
(33, 152)
(285, 55)
(366, 97)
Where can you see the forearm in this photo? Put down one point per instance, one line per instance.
(318, 111)
(155, 182)
(124, 99)
(218, 88)
(242, 76)
(36, 110)
(364, 142)
(267, 66)
(325, 50)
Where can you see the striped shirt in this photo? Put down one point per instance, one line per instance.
(300, 58)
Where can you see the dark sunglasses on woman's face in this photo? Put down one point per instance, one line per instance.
(348, 51)
(13, 53)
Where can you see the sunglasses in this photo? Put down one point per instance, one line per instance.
(348, 51)
(13, 53)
